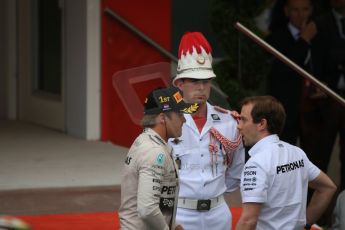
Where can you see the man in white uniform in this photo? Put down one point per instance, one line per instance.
(209, 154)
(149, 185)
(275, 179)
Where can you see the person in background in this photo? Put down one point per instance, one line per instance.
(209, 154)
(330, 63)
(276, 177)
(149, 184)
(291, 34)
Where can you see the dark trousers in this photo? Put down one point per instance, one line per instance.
(321, 121)
(336, 124)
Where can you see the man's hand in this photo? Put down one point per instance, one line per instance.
(179, 227)
(308, 31)
(233, 113)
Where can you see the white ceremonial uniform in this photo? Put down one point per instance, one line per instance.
(149, 185)
(199, 179)
(277, 175)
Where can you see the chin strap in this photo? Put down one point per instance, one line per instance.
(228, 146)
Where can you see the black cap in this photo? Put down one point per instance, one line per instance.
(167, 99)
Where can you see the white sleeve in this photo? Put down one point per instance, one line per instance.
(149, 190)
(233, 173)
(254, 183)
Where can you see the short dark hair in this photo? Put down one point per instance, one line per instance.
(269, 108)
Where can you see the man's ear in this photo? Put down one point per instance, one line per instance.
(161, 118)
(263, 124)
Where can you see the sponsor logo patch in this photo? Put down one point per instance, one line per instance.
(178, 97)
(160, 159)
(290, 166)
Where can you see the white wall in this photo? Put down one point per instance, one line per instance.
(93, 81)
(82, 68)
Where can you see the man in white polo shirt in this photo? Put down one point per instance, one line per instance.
(275, 179)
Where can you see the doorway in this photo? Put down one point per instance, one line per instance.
(40, 63)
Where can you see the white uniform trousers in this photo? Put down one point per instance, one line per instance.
(218, 218)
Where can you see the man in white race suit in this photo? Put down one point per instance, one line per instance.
(149, 183)
(209, 154)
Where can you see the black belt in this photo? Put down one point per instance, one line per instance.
(200, 205)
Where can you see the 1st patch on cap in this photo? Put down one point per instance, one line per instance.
(163, 99)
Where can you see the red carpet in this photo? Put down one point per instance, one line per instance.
(87, 221)
(84, 221)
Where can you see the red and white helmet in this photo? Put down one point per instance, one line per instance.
(194, 57)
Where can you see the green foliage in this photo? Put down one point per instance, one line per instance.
(230, 85)
(243, 71)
